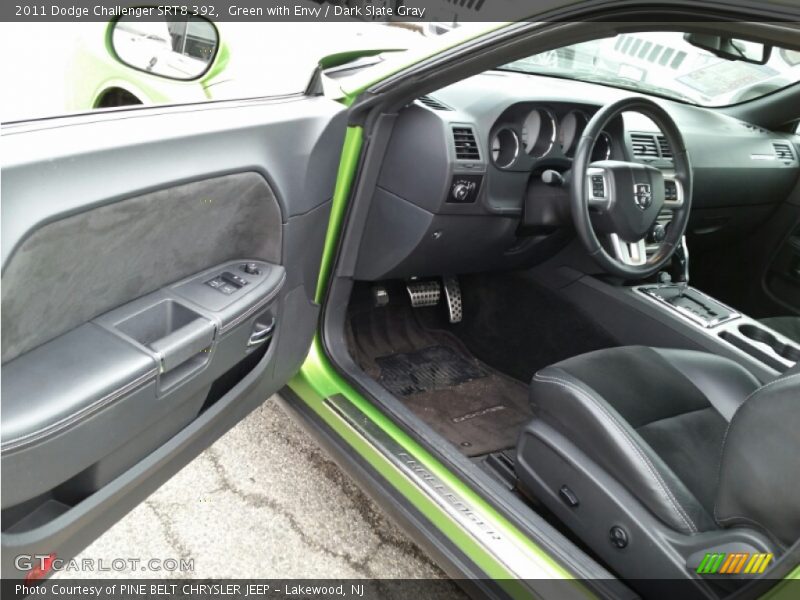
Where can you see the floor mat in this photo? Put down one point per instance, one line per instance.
(469, 403)
(479, 416)
(429, 369)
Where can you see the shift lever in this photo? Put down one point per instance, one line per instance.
(681, 258)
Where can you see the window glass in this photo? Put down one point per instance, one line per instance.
(53, 69)
(664, 63)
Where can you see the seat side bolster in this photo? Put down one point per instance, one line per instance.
(759, 475)
(582, 415)
(722, 381)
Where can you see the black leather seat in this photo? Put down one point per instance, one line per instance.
(666, 444)
(788, 326)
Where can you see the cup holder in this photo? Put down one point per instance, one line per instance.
(763, 336)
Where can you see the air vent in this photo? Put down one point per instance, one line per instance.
(432, 103)
(644, 145)
(783, 151)
(464, 141)
(752, 128)
(475, 5)
(663, 147)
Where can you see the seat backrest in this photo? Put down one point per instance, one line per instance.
(759, 476)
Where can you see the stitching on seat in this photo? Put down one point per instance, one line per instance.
(637, 450)
(728, 428)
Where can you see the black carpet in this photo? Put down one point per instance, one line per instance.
(519, 327)
(469, 403)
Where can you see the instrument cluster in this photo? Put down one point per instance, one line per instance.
(525, 134)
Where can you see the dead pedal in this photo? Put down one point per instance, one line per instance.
(452, 298)
(424, 293)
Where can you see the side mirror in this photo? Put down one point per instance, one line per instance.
(730, 48)
(790, 57)
(175, 48)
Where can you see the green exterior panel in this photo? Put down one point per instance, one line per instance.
(348, 164)
(318, 380)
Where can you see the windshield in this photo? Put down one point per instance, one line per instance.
(663, 63)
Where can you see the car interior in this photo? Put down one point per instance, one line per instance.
(591, 297)
(582, 298)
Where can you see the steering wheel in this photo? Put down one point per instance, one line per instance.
(619, 201)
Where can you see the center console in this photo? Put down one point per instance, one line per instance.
(722, 322)
(691, 303)
(676, 315)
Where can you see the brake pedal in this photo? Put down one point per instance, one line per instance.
(424, 293)
(452, 298)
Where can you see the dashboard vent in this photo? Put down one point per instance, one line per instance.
(644, 145)
(663, 147)
(783, 151)
(464, 141)
(432, 103)
(475, 5)
(753, 128)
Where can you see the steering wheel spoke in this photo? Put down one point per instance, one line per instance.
(673, 191)
(634, 254)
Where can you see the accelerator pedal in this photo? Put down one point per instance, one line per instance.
(424, 293)
(452, 298)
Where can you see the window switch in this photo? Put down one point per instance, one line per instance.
(234, 279)
(228, 289)
(215, 283)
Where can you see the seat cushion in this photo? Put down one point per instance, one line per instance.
(788, 326)
(653, 418)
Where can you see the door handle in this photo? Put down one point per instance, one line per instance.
(261, 332)
(182, 344)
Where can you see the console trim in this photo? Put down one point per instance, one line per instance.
(723, 329)
(646, 291)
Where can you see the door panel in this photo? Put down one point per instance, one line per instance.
(158, 279)
(129, 248)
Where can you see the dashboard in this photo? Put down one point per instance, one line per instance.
(460, 189)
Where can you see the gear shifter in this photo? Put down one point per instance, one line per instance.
(680, 268)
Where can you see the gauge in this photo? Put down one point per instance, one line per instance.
(505, 147)
(539, 132)
(602, 147)
(570, 129)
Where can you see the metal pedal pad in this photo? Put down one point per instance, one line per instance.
(452, 298)
(424, 293)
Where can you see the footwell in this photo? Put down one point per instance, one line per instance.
(469, 403)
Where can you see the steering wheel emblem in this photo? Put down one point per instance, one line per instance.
(643, 195)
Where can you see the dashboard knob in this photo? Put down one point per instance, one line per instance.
(460, 192)
(657, 234)
(251, 269)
